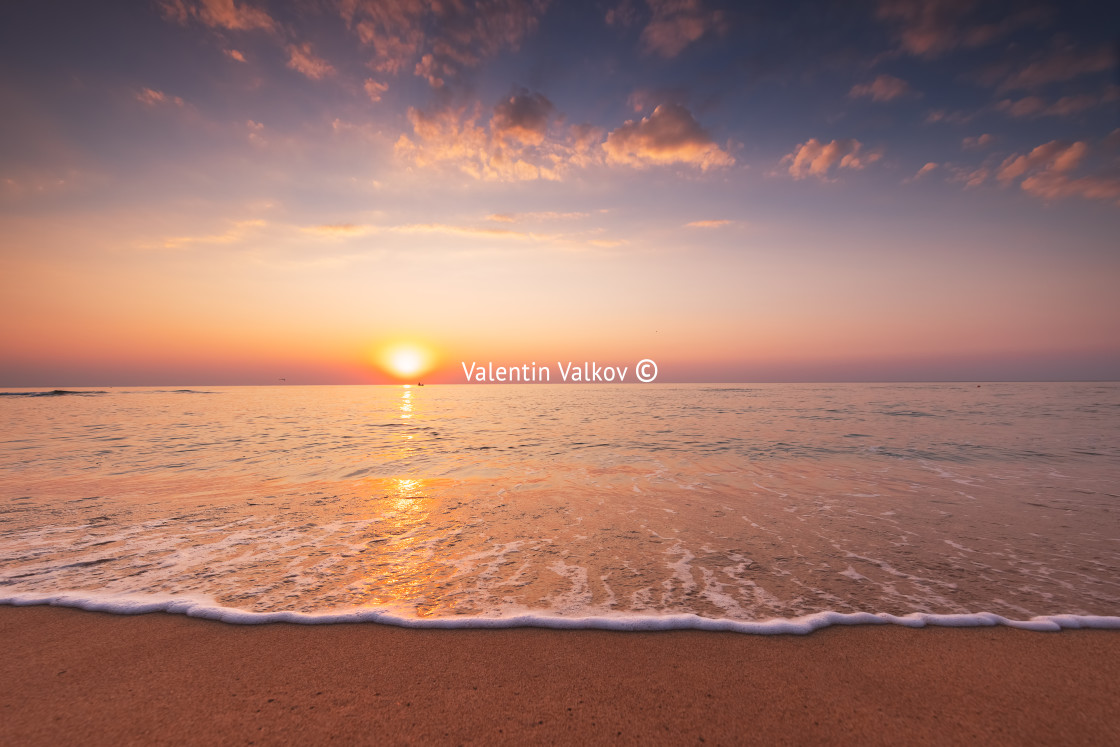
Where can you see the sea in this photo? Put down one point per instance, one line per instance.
(762, 508)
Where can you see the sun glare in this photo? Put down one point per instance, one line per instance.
(406, 361)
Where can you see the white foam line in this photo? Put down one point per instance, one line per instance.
(206, 609)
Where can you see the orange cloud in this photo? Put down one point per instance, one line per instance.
(1054, 156)
(931, 166)
(437, 40)
(814, 158)
(1047, 172)
(233, 54)
(708, 223)
(670, 135)
(225, 14)
(374, 89)
(515, 144)
(301, 59)
(152, 97)
(1050, 185)
(340, 230)
(883, 88)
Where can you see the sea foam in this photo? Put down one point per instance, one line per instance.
(202, 607)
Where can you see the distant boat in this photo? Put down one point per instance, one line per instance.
(419, 383)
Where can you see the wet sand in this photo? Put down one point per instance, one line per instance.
(71, 676)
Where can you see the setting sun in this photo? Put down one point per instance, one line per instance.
(406, 360)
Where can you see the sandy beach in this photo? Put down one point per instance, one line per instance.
(70, 675)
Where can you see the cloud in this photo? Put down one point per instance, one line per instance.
(940, 115)
(929, 28)
(1054, 156)
(971, 178)
(1028, 106)
(1056, 65)
(455, 138)
(437, 40)
(547, 215)
(523, 117)
(678, 23)
(670, 135)
(1053, 186)
(980, 141)
(814, 158)
(340, 230)
(931, 166)
(708, 223)
(1066, 106)
(224, 14)
(152, 97)
(374, 89)
(301, 59)
(255, 132)
(883, 88)
(233, 54)
(1048, 172)
(237, 231)
(524, 139)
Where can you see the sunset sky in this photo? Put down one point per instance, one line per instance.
(230, 192)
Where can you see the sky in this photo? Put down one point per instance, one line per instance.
(241, 191)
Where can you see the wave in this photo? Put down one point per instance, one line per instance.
(53, 393)
(205, 608)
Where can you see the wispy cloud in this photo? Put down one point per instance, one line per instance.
(224, 14)
(929, 28)
(927, 168)
(237, 231)
(340, 230)
(1066, 106)
(979, 141)
(883, 88)
(152, 97)
(814, 158)
(303, 60)
(708, 223)
(435, 41)
(1060, 63)
(374, 89)
(1049, 172)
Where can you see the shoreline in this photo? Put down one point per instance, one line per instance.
(161, 678)
(205, 608)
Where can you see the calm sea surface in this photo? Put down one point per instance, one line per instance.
(745, 503)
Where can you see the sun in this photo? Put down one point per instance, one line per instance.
(405, 360)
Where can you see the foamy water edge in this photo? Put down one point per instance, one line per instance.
(201, 607)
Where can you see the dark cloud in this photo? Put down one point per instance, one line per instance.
(524, 116)
(670, 135)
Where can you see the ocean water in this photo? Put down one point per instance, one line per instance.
(746, 507)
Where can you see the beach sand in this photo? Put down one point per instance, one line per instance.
(70, 676)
